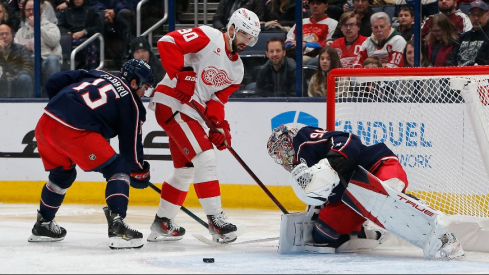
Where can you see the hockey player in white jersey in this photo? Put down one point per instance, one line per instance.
(317, 159)
(203, 66)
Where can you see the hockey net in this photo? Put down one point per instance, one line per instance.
(436, 120)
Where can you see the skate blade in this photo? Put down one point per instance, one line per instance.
(43, 239)
(120, 243)
(155, 237)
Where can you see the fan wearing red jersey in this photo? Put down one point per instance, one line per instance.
(203, 66)
(348, 46)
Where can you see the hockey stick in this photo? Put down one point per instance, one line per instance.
(214, 129)
(188, 212)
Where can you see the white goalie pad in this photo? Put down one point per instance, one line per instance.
(295, 232)
(398, 213)
(314, 184)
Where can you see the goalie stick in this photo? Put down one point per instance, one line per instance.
(188, 212)
(213, 128)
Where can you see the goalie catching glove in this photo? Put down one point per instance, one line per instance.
(185, 88)
(222, 138)
(314, 184)
(140, 179)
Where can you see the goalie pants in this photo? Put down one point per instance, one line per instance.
(61, 148)
(194, 160)
(344, 220)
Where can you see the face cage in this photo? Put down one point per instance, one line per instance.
(282, 144)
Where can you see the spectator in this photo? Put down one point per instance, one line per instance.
(60, 5)
(140, 49)
(348, 46)
(440, 40)
(118, 27)
(372, 62)
(409, 56)
(364, 12)
(449, 8)
(11, 9)
(8, 16)
(279, 15)
(277, 76)
(328, 60)
(81, 21)
(316, 30)
(473, 43)
(16, 66)
(227, 7)
(335, 8)
(385, 43)
(51, 56)
(406, 22)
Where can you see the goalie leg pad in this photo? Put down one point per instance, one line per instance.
(398, 213)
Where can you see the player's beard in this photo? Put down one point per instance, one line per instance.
(235, 46)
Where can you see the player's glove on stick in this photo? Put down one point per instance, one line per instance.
(140, 179)
(222, 138)
(185, 84)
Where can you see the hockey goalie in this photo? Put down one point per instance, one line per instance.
(349, 185)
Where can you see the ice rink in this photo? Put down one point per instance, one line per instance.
(85, 248)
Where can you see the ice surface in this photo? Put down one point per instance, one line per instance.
(85, 248)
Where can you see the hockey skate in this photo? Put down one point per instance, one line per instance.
(164, 229)
(451, 247)
(120, 234)
(221, 230)
(46, 231)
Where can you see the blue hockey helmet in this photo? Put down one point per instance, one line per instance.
(137, 68)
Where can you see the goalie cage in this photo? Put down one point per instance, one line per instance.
(436, 120)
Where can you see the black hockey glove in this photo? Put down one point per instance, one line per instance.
(140, 179)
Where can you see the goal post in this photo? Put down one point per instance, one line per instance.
(436, 120)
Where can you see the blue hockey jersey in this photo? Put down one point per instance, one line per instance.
(313, 144)
(101, 102)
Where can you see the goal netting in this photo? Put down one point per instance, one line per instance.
(436, 120)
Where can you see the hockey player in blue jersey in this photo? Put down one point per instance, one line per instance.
(321, 164)
(85, 109)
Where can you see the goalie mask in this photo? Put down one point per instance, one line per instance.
(246, 21)
(280, 147)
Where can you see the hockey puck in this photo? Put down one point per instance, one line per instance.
(208, 260)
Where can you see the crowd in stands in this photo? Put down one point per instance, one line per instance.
(335, 34)
(361, 34)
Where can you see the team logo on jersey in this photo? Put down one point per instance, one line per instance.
(92, 157)
(213, 76)
(218, 51)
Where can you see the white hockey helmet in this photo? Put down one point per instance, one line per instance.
(280, 147)
(246, 21)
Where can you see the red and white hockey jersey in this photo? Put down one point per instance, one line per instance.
(313, 31)
(390, 52)
(348, 53)
(219, 72)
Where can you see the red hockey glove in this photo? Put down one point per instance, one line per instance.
(221, 139)
(140, 179)
(185, 84)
